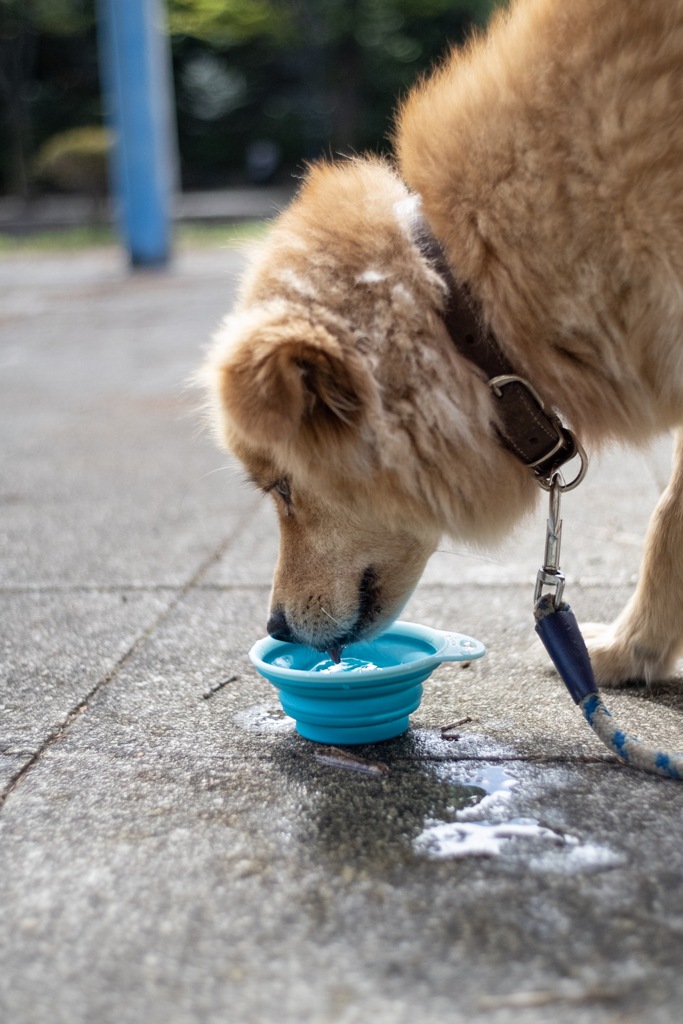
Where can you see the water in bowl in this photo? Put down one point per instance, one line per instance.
(345, 665)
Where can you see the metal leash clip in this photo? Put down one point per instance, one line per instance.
(549, 575)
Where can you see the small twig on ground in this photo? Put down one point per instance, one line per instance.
(534, 998)
(337, 758)
(447, 731)
(218, 686)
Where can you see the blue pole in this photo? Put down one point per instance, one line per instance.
(134, 68)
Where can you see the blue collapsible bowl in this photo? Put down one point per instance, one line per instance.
(370, 696)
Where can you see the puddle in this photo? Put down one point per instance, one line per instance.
(488, 823)
(488, 827)
(263, 719)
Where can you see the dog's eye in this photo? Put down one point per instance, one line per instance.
(282, 489)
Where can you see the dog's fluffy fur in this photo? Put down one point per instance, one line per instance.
(549, 158)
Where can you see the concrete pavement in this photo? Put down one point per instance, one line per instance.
(170, 850)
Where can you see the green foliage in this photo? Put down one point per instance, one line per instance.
(54, 17)
(226, 22)
(75, 160)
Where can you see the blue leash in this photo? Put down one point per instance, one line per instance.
(559, 631)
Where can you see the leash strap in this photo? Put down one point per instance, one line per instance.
(561, 636)
(562, 639)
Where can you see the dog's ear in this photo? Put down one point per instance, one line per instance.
(278, 377)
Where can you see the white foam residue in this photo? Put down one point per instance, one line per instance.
(586, 859)
(447, 840)
(494, 805)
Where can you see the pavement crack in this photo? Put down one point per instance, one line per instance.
(74, 713)
(59, 730)
(547, 759)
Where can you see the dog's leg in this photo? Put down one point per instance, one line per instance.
(643, 643)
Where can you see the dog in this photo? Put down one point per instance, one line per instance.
(544, 161)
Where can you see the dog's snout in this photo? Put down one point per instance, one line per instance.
(278, 627)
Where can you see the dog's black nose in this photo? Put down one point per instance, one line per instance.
(277, 626)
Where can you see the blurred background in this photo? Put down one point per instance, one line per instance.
(259, 86)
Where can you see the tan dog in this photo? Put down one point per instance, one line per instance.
(549, 159)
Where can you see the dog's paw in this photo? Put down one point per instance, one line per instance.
(619, 657)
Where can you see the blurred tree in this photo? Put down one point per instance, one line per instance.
(302, 76)
(260, 84)
(25, 25)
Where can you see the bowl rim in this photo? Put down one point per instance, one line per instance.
(448, 646)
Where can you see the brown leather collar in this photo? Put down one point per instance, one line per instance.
(536, 436)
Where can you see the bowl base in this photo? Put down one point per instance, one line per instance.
(351, 736)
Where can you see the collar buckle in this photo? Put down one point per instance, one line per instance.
(539, 438)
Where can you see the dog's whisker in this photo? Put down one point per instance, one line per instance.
(473, 555)
(220, 469)
(325, 612)
(352, 634)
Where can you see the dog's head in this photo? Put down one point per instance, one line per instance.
(335, 384)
